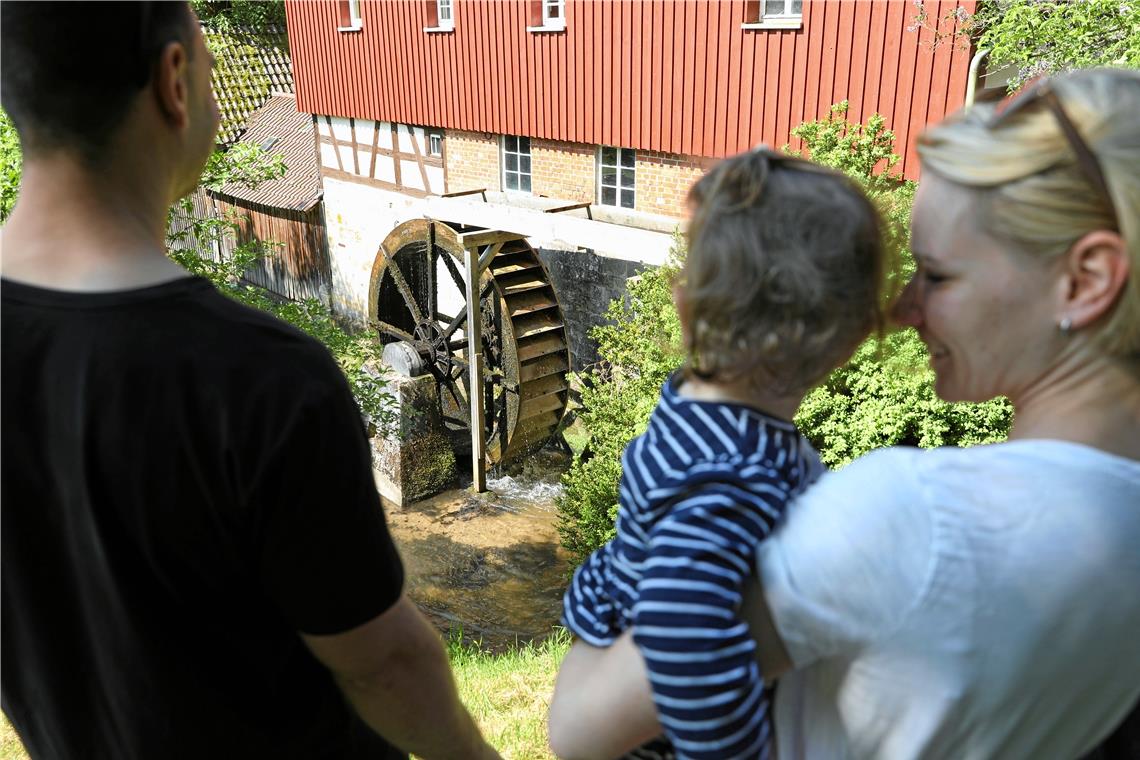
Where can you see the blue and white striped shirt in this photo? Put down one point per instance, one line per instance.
(699, 490)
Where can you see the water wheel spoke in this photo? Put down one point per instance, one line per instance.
(391, 329)
(454, 324)
(453, 269)
(402, 285)
(457, 395)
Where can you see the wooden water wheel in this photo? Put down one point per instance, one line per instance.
(417, 297)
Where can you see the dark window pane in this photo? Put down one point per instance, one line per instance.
(512, 162)
(513, 144)
(524, 164)
(609, 176)
(797, 6)
(609, 156)
(609, 196)
(511, 180)
(627, 198)
(627, 178)
(554, 10)
(773, 7)
(524, 145)
(627, 158)
(524, 183)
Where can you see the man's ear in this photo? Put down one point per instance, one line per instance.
(171, 84)
(1096, 271)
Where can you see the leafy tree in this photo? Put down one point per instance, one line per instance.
(10, 163)
(1046, 36)
(242, 13)
(884, 396)
(1043, 36)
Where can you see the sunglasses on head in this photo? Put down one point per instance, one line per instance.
(1042, 92)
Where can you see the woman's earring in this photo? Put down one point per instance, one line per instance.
(1065, 325)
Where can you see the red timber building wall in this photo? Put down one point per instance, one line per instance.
(680, 81)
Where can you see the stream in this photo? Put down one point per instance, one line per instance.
(488, 564)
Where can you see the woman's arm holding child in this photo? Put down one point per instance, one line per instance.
(602, 706)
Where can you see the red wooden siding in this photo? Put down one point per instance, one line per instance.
(678, 76)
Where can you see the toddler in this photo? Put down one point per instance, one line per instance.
(783, 280)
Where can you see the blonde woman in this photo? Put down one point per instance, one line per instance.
(982, 602)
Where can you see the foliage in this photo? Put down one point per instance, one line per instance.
(223, 14)
(243, 163)
(10, 164)
(508, 693)
(639, 347)
(865, 152)
(884, 396)
(1046, 36)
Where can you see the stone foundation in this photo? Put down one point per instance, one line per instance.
(419, 461)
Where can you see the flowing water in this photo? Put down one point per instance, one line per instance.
(489, 564)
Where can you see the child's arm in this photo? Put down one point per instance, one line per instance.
(687, 624)
(587, 610)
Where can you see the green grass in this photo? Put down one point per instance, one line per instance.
(10, 746)
(508, 694)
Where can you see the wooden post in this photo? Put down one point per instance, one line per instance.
(475, 360)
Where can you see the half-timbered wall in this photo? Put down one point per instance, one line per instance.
(383, 154)
(680, 77)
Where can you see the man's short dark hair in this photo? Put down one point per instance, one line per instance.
(69, 70)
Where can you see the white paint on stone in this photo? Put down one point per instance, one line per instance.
(385, 140)
(328, 156)
(346, 157)
(341, 129)
(364, 156)
(364, 130)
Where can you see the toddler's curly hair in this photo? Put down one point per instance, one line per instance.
(785, 273)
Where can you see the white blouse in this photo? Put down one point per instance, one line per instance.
(959, 603)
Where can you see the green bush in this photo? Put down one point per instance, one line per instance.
(884, 396)
(638, 349)
(10, 164)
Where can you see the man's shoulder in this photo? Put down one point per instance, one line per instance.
(241, 335)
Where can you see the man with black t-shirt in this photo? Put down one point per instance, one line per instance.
(195, 562)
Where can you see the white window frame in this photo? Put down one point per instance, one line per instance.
(619, 188)
(550, 22)
(435, 139)
(788, 18)
(504, 152)
(355, 20)
(442, 7)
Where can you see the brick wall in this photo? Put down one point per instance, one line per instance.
(568, 171)
(563, 170)
(663, 181)
(472, 161)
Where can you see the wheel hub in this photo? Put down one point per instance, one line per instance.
(431, 343)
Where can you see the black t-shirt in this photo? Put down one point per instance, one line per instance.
(186, 483)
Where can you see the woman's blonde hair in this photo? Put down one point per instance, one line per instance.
(784, 274)
(1033, 191)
